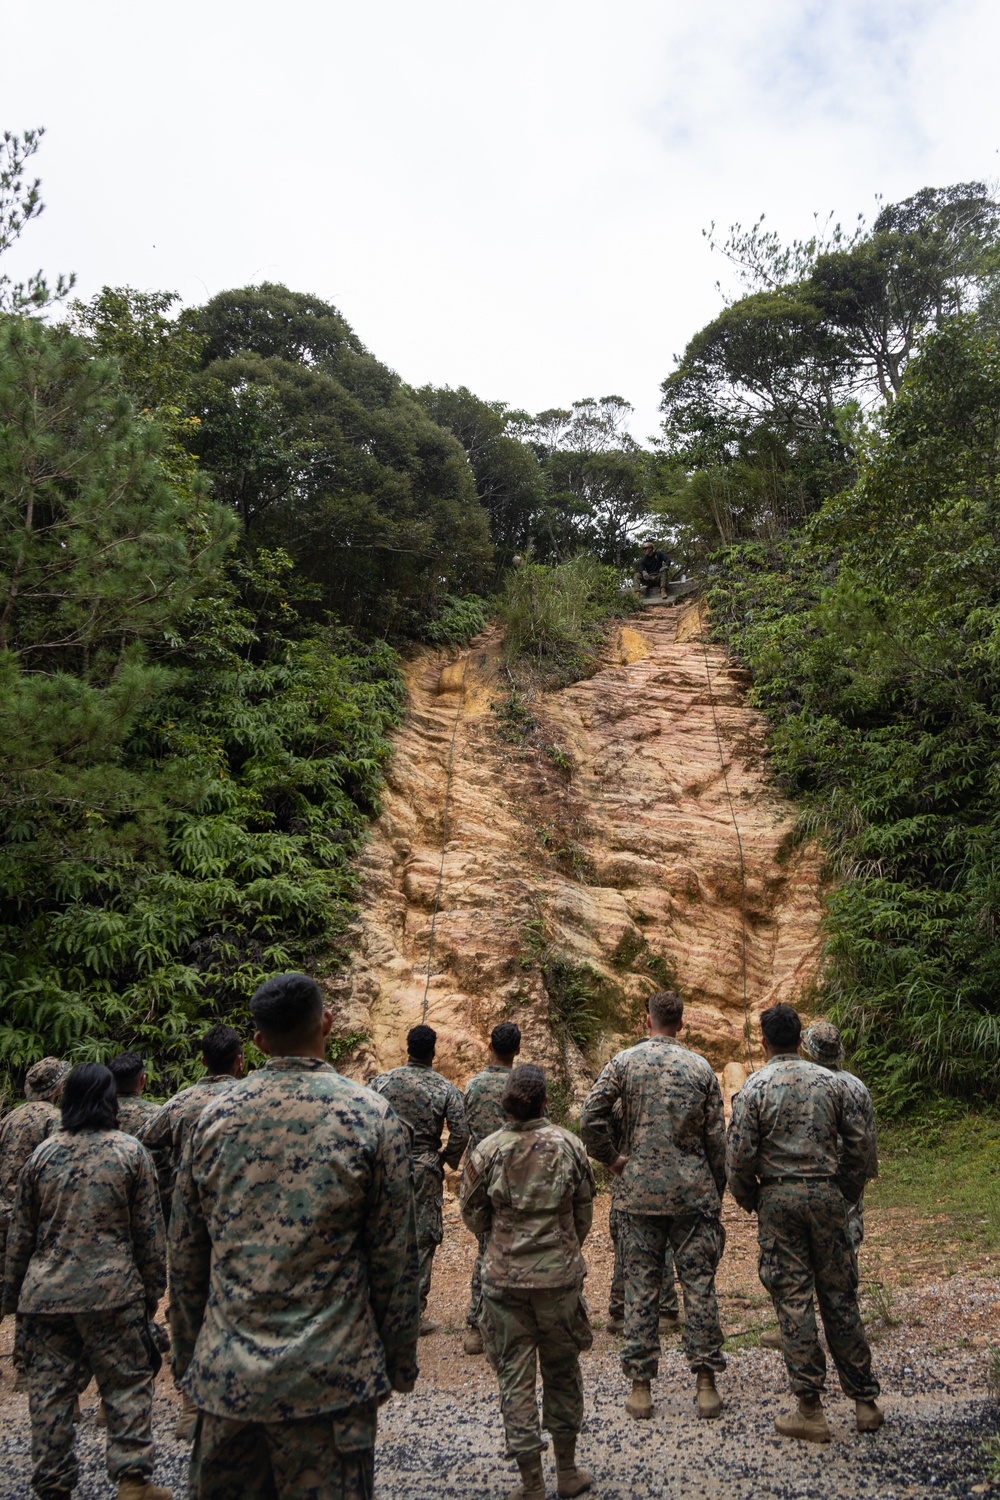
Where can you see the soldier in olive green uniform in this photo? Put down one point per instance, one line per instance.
(484, 1112)
(529, 1188)
(20, 1132)
(85, 1267)
(293, 1268)
(129, 1073)
(426, 1102)
(797, 1157)
(673, 1175)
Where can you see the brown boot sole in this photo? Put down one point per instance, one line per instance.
(640, 1410)
(805, 1434)
(578, 1485)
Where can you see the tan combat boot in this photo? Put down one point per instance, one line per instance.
(569, 1479)
(807, 1422)
(187, 1421)
(427, 1325)
(101, 1414)
(142, 1489)
(532, 1486)
(669, 1324)
(869, 1416)
(640, 1403)
(707, 1398)
(771, 1339)
(615, 1325)
(473, 1341)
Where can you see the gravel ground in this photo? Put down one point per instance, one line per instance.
(445, 1440)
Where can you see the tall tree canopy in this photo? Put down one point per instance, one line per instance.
(320, 450)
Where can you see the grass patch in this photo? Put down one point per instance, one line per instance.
(554, 618)
(942, 1165)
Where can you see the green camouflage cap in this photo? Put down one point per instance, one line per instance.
(44, 1077)
(822, 1044)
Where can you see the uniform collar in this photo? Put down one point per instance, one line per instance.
(412, 1062)
(499, 1068)
(535, 1124)
(298, 1065)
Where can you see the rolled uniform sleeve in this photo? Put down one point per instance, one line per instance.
(741, 1151)
(190, 1262)
(390, 1240)
(715, 1134)
(597, 1126)
(458, 1128)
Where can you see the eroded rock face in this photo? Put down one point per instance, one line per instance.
(583, 866)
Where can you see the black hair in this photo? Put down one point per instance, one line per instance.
(125, 1070)
(220, 1047)
(524, 1096)
(781, 1027)
(420, 1043)
(287, 1006)
(666, 1008)
(89, 1100)
(505, 1039)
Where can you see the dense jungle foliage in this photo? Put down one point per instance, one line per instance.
(861, 585)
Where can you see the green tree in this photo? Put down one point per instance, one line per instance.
(319, 449)
(20, 203)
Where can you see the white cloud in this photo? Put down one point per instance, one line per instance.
(506, 197)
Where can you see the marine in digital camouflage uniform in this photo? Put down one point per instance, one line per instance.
(529, 1189)
(85, 1267)
(426, 1102)
(669, 1307)
(134, 1112)
(293, 1268)
(164, 1132)
(20, 1132)
(484, 1113)
(797, 1156)
(823, 1044)
(672, 1170)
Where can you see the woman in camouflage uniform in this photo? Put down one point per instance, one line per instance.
(530, 1187)
(85, 1268)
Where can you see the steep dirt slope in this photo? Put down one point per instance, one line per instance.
(590, 858)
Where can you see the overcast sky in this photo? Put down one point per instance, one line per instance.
(506, 196)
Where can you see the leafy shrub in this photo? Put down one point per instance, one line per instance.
(459, 620)
(553, 617)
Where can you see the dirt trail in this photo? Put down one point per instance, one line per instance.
(590, 859)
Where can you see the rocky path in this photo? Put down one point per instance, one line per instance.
(596, 832)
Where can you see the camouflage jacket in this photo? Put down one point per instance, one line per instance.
(426, 1101)
(530, 1187)
(672, 1128)
(134, 1112)
(482, 1096)
(786, 1121)
(20, 1132)
(86, 1234)
(293, 1265)
(165, 1132)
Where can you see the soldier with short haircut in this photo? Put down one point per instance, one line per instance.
(85, 1269)
(129, 1073)
(426, 1102)
(165, 1132)
(529, 1188)
(484, 1112)
(672, 1170)
(20, 1132)
(293, 1268)
(783, 1163)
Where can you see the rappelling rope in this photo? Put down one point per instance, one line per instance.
(739, 845)
(444, 844)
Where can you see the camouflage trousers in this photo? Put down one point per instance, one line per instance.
(61, 1351)
(805, 1247)
(428, 1192)
(669, 1307)
(476, 1288)
(856, 1224)
(517, 1325)
(330, 1457)
(697, 1242)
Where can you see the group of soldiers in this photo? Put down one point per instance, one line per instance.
(304, 1210)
